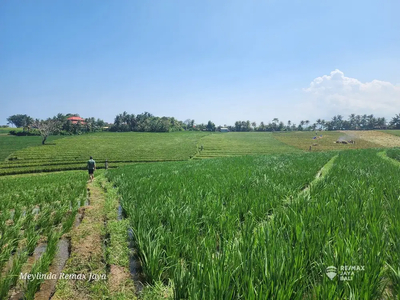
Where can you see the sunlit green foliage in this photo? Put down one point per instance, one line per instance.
(241, 143)
(71, 153)
(192, 220)
(10, 143)
(34, 207)
(244, 228)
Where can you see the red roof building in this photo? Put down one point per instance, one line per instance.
(75, 120)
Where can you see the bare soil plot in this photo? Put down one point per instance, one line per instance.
(378, 137)
(323, 140)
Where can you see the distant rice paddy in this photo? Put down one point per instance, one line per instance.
(71, 153)
(241, 143)
(324, 140)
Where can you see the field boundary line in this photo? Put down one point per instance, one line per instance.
(117, 252)
(321, 174)
(383, 155)
(86, 255)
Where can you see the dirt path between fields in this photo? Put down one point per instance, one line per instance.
(85, 270)
(89, 273)
(381, 138)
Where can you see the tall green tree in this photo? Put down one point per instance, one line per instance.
(210, 126)
(20, 120)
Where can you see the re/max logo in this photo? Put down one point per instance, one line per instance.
(352, 268)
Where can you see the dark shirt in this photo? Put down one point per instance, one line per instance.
(91, 164)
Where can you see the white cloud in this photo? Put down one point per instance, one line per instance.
(337, 94)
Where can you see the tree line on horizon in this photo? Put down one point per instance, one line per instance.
(146, 122)
(58, 125)
(354, 122)
(149, 123)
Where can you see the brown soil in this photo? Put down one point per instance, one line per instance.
(48, 286)
(117, 278)
(86, 252)
(377, 137)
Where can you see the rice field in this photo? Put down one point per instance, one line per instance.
(268, 227)
(241, 143)
(324, 140)
(238, 226)
(71, 153)
(393, 132)
(6, 130)
(26, 154)
(35, 211)
(11, 143)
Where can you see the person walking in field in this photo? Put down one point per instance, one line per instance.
(91, 165)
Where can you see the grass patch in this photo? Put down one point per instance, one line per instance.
(6, 130)
(241, 143)
(11, 143)
(393, 132)
(304, 139)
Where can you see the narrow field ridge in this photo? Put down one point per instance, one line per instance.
(86, 254)
(320, 176)
(383, 155)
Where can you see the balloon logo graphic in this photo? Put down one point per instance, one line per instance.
(331, 272)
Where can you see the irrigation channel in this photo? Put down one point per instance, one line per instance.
(63, 252)
(89, 218)
(47, 288)
(135, 267)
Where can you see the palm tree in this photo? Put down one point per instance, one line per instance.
(314, 126)
(364, 121)
(381, 122)
(274, 123)
(323, 124)
(395, 122)
(371, 121)
(352, 120)
(357, 120)
(307, 122)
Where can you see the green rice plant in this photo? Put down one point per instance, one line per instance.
(11, 277)
(10, 143)
(243, 228)
(192, 221)
(69, 220)
(35, 206)
(344, 222)
(392, 206)
(32, 237)
(394, 153)
(41, 265)
(117, 148)
(241, 143)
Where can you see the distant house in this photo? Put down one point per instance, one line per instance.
(75, 120)
(224, 129)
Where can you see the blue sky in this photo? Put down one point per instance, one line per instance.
(204, 60)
